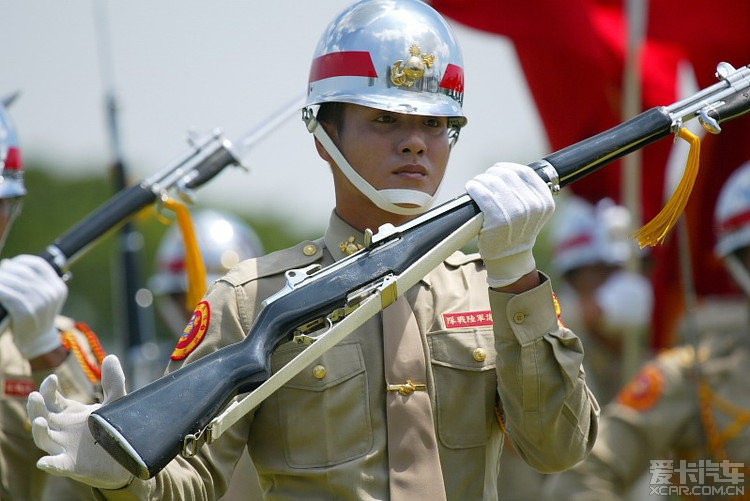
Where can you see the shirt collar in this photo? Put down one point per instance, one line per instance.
(338, 234)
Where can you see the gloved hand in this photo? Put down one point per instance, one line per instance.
(60, 427)
(33, 295)
(516, 203)
(626, 300)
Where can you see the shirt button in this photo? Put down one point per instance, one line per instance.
(519, 317)
(319, 372)
(309, 249)
(479, 354)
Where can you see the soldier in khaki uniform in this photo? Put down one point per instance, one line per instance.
(34, 343)
(224, 240)
(387, 77)
(683, 419)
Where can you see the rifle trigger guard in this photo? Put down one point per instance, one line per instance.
(302, 338)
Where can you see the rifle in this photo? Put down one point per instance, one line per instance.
(207, 157)
(146, 429)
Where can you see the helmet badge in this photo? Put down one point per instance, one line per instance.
(405, 74)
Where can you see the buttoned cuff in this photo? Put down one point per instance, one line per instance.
(135, 490)
(524, 317)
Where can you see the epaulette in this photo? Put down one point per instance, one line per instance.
(302, 254)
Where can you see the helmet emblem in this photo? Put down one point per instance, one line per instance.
(406, 73)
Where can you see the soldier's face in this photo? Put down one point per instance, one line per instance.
(394, 150)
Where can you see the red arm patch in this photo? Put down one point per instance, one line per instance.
(644, 391)
(467, 319)
(194, 332)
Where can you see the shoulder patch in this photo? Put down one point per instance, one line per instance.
(644, 391)
(558, 310)
(194, 332)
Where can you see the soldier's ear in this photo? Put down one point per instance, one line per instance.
(322, 152)
(332, 131)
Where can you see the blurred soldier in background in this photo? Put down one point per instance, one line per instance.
(684, 418)
(35, 342)
(224, 241)
(601, 301)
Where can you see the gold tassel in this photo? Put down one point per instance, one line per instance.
(194, 265)
(655, 231)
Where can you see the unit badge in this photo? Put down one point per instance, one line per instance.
(406, 73)
(194, 332)
(644, 391)
(467, 319)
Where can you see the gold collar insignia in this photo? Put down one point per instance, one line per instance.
(350, 246)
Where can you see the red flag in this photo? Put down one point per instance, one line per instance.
(572, 54)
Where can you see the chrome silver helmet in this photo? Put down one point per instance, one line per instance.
(394, 55)
(11, 163)
(732, 213)
(585, 234)
(224, 240)
(732, 224)
(12, 189)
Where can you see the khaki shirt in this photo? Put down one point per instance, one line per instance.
(19, 477)
(658, 415)
(325, 437)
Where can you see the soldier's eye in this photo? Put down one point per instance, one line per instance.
(386, 118)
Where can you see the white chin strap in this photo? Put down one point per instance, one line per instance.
(385, 199)
(739, 273)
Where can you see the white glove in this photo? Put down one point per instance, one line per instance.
(60, 427)
(626, 300)
(33, 295)
(516, 203)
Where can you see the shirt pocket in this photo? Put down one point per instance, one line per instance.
(324, 411)
(463, 364)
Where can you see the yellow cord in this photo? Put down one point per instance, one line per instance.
(194, 265)
(655, 231)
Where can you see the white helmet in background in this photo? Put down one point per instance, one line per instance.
(394, 55)
(732, 213)
(732, 223)
(12, 189)
(224, 240)
(584, 234)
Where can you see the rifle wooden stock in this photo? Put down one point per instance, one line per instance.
(146, 429)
